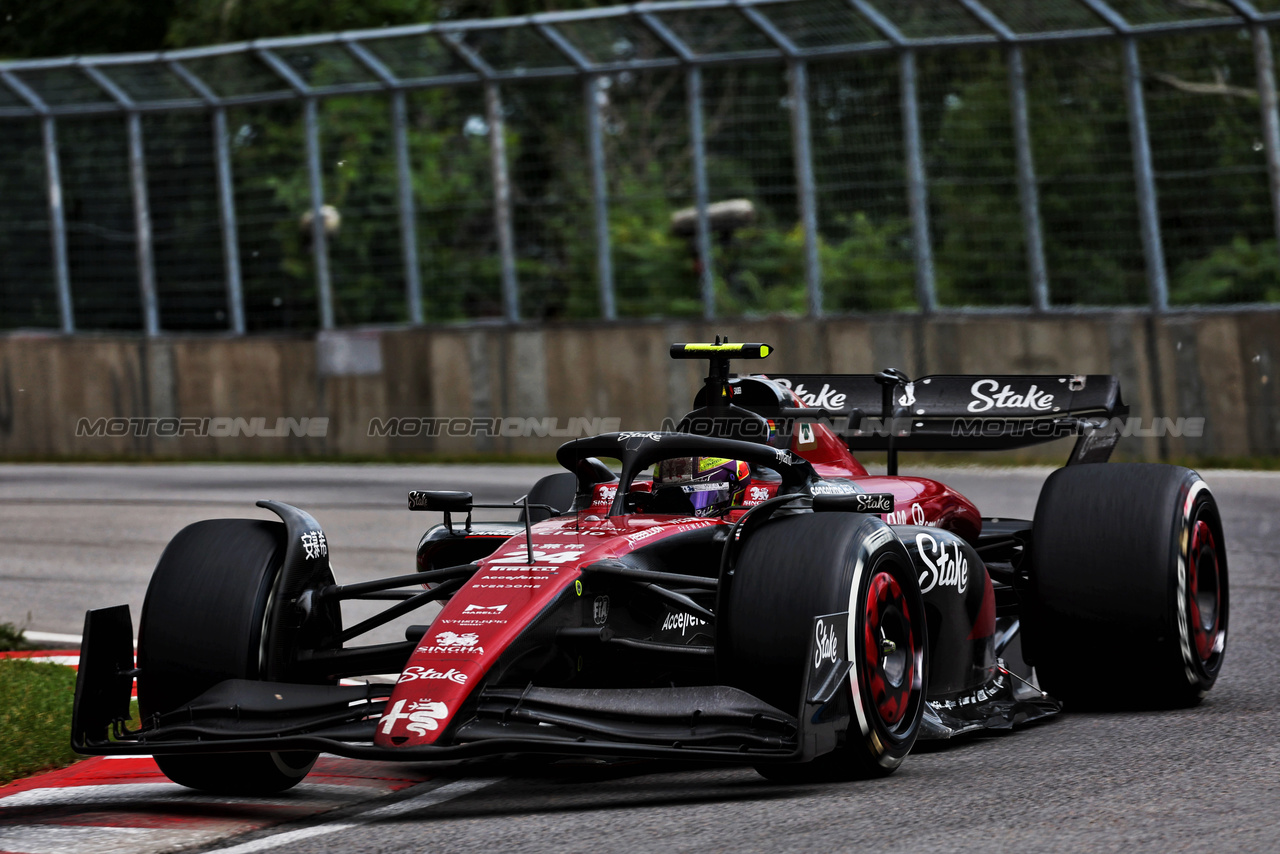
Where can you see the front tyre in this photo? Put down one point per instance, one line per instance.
(206, 619)
(796, 568)
(1129, 586)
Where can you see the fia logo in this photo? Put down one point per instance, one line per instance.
(600, 610)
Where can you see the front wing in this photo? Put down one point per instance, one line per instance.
(702, 723)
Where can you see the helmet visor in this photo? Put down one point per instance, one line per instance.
(708, 498)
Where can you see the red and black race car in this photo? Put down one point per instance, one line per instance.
(737, 590)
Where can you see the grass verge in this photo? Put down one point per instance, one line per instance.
(11, 638)
(35, 717)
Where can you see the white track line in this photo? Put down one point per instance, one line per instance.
(54, 637)
(123, 795)
(61, 839)
(51, 637)
(446, 792)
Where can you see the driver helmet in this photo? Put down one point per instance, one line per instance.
(712, 485)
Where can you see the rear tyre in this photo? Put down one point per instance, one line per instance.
(205, 619)
(800, 567)
(1129, 586)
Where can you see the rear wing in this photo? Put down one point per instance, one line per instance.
(967, 412)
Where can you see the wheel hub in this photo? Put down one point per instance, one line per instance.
(1203, 578)
(889, 646)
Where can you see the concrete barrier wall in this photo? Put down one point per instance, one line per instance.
(1217, 366)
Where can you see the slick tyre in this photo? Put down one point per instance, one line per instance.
(1129, 587)
(797, 568)
(206, 619)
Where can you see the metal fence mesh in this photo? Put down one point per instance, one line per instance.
(968, 136)
(182, 194)
(1085, 169)
(1211, 169)
(671, 159)
(279, 289)
(27, 297)
(457, 244)
(101, 238)
(647, 147)
(551, 195)
(855, 108)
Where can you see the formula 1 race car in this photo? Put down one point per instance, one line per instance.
(736, 590)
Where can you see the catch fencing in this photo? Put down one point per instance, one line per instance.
(711, 158)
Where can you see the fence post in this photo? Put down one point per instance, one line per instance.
(1144, 174)
(592, 95)
(693, 86)
(1265, 69)
(803, 154)
(141, 207)
(502, 200)
(917, 187)
(1265, 63)
(311, 127)
(142, 226)
(600, 197)
(319, 240)
(801, 147)
(498, 167)
(1028, 193)
(404, 177)
(53, 179)
(57, 224)
(697, 141)
(408, 213)
(227, 213)
(226, 193)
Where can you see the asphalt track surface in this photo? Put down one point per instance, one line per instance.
(1204, 779)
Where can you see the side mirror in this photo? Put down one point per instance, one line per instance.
(457, 502)
(446, 501)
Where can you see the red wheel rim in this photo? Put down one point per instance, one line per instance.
(1203, 579)
(889, 648)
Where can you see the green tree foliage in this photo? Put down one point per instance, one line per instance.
(1202, 111)
(1228, 272)
(60, 27)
